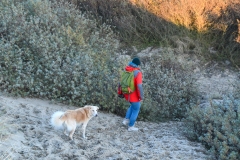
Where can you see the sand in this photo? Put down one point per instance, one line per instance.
(26, 133)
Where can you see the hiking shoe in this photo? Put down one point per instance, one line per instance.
(125, 121)
(132, 129)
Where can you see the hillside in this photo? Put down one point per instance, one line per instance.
(59, 55)
(211, 24)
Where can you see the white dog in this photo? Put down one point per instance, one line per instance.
(70, 119)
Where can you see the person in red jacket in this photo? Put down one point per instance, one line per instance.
(135, 97)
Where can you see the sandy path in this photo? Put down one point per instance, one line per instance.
(28, 135)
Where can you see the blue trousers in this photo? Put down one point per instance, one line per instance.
(132, 112)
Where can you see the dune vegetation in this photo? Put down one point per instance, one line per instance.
(74, 51)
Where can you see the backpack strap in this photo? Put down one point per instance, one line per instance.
(135, 72)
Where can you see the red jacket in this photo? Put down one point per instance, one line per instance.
(137, 95)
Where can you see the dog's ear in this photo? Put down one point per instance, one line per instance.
(96, 107)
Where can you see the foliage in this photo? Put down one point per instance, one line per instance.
(169, 88)
(217, 126)
(52, 50)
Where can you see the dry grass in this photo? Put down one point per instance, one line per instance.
(186, 12)
(211, 23)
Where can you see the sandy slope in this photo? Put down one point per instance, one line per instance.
(32, 137)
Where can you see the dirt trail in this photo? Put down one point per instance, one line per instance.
(26, 134)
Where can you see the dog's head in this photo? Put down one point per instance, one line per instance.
(93, 110)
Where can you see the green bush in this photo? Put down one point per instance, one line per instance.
(169, 88)
(217, 127)
(52, 50)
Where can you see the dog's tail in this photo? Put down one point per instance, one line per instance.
(56, 120)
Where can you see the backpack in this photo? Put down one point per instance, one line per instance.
(127, 82)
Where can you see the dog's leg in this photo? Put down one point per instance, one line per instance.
(65, 132)
(71, 134)
(72, 126)
(84, 129)
(65, 129)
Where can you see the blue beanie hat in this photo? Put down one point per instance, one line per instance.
(136, 61)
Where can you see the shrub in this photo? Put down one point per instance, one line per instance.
(54, 51)
(169, 88)
(217, 127)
